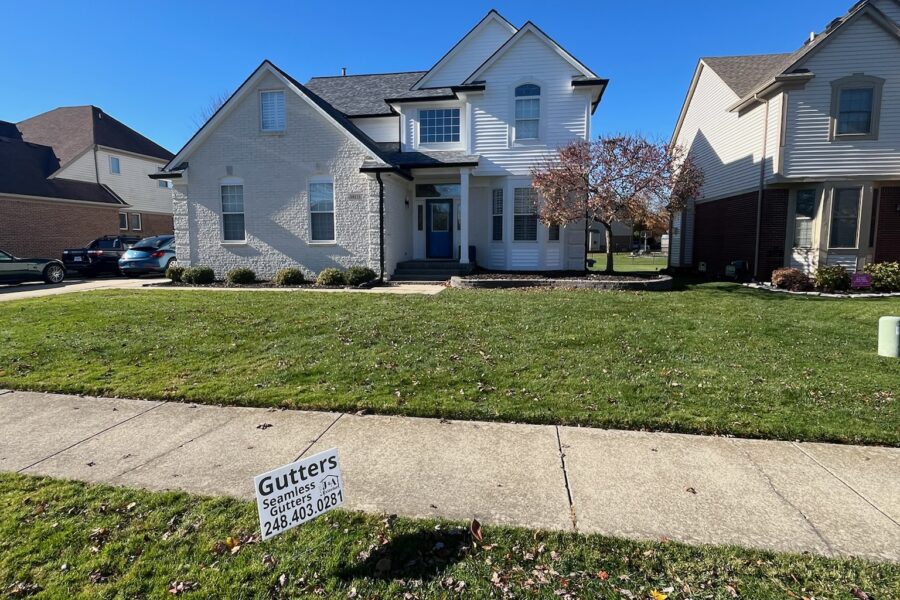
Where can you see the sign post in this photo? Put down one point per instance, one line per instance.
(299, 492)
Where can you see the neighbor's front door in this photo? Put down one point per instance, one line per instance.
(440, 229)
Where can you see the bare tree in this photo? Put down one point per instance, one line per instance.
(210, 108)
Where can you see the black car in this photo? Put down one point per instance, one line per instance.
(17, 270)
(100, 256)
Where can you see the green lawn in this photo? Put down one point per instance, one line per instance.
(62, 540)
(712, 358)
(624, 262)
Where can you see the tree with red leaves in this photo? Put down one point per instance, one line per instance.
(619, 178)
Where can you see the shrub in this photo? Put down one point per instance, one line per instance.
(885, 276)
(198, 275)
(289, 276)
(241, 276)
(832, 278)
(331, 277)
(794, 280)
(360, 275)
(174, 273)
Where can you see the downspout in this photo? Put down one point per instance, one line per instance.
(96, 166)
(762, 183)
(380, 226)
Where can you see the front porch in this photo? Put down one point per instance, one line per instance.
(455, 220)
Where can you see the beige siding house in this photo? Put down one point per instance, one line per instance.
(801, 152)
(418, 174)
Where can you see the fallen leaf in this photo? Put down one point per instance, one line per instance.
(268, 561)
(179, 587)
(264, 426)
(859, 594)
(475, 529)
(690, 490)
(657, 595)
(603, 575)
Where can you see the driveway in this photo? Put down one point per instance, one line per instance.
(36, 290)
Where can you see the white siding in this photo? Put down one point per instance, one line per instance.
(860, 47)
(380, 129)
(80, 169)
(565, 112)
(398, 215)
(889, 7)
(132, 183)
(726, 146)
(469, 55)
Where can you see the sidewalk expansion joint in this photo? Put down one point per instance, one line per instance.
(850, 487)
(319, 437)
(93, 435)
(562, 461)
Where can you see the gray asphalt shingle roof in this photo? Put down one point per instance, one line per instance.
(744, 73)
(356, 95)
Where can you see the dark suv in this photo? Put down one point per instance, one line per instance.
(100, 256)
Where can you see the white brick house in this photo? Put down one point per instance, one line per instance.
(286, 174)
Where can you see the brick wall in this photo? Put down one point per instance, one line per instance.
(725, 231)
(773, 232)
(275, 170)
(37, 228)
(887, 238)
(152, 224)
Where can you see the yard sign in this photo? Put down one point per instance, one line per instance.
(298, 492)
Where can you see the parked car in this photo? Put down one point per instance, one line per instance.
(17, 270)
(150, 255)
(100, 256)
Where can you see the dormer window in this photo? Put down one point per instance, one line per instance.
(855, 107)
(438, 125)
(528, 112)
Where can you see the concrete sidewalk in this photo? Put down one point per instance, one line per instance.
(39, 290)
(821, 498)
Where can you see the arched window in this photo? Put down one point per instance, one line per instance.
(528, 111)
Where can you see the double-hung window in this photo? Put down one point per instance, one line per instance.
(528, 112)
(804, 216)
(271, 111)
(439, 125)
(525, 215)
(856, 106)
(233, 213)
(321, 211)
(497, 216)
(845, 218)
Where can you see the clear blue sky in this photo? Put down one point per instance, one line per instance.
(155, 65)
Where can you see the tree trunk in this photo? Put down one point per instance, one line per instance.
(609, 247)
(587, 243)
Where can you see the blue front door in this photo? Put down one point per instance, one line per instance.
(440, 228)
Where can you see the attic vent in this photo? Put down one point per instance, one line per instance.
(343, 71)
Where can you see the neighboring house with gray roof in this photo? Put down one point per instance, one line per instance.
(73, 174)
(418, 173)
(801, 152)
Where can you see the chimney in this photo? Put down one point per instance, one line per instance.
(343, 71)
(812, 36)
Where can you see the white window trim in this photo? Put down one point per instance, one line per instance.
(537, 236)
(123, 214)
(118, 163)
(501, 214)
(284, 111)
(333, 211)
(140, 219)
(229, 181)
(512, 138)
(540, 120)
(415, 114)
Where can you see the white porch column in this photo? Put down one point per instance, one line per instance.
(464, 216)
